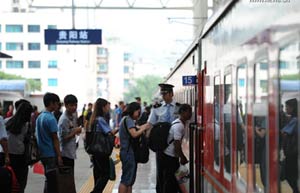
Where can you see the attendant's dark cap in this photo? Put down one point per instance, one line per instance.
(138, 98)
(165, 88)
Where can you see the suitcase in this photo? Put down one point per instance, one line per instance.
(64, 179)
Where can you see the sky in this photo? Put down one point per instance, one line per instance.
(154, 37)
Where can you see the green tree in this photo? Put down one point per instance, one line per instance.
(33, 84)
(143, 87)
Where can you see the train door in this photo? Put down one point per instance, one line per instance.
(240, 125)
(227, 123)
(199, 185)
(288, 116)
(217, 121)
(260, 122)
(193, 147)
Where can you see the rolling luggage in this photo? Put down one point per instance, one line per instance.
(63, 178)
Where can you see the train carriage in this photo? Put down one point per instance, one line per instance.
(247, 61)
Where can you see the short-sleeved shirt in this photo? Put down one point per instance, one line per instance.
(15, 142)
(46, 125)
(102, 125)
(66, 125)
(3, 134)
(119, 113)
(291, 126)
(159, 114)
(124, 135)
(176, 133)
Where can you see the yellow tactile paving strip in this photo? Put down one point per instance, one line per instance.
(89, 184)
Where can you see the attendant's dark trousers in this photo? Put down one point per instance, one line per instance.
(159, 172)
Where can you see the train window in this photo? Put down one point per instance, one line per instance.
(289, 87)
(217, 82)
(260, 124)
(241, 111)
(227, 111)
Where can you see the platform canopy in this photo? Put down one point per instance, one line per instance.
(290, 85)
(13, 85)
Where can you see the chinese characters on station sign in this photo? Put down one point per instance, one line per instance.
(73, 36)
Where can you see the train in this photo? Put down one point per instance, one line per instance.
(237, 75)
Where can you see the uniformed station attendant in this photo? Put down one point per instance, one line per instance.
(163, 112)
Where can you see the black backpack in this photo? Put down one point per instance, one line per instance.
(158, 139)
(139, 146)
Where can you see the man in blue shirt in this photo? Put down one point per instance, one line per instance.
(47, 140)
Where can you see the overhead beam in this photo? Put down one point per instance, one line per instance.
(111, 8)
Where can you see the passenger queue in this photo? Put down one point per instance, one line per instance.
(56, 140)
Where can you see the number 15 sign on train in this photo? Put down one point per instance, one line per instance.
(189, 80)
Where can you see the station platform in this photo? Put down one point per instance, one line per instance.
(145, 181)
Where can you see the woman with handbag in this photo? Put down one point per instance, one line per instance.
(100, 160)
(17, 127)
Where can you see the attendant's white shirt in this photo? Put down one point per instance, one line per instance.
(176, 132)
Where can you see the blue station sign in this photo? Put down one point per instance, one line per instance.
(73, 36)
(189, 80)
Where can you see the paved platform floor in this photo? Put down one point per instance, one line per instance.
(145, 182)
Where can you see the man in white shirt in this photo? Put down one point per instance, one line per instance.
(173, 156)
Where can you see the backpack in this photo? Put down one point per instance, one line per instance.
(139, 146)
(158, 139)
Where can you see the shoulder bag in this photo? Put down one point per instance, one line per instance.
(31, 148)
(99, 143)
(139, 146)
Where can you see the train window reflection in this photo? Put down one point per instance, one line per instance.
(227, 123)
(260, 124)
(241, 111)
(289, 73)
(217, 122)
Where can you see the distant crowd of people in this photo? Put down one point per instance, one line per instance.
(57, 135)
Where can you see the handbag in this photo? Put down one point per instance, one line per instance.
(15, 186)
(31, 148)
(112, 170)
(182, 176)
(99, 143)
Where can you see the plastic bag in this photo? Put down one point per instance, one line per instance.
(182, 177)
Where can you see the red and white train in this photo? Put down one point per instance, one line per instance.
(247, 64)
